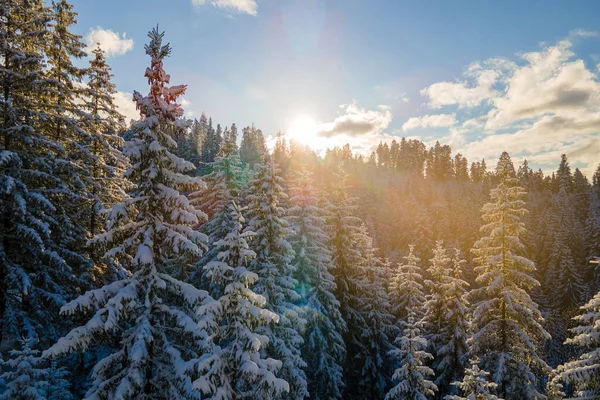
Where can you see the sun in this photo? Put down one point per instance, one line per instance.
(303, 129)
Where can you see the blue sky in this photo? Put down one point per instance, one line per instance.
(484, 76)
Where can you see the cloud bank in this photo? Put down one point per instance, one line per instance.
(113, 43)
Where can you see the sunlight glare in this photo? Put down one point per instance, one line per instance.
(303, 129)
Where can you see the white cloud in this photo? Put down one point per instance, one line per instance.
(549, 83)
(546, 104)
(113, 43)
(355, 122)
(126, 106)
(462, 93)
(430, 121)
(240, 6)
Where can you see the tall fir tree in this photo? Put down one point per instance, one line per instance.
(344, 230)
(581, 377)
(380, 326)
(235, 367)
(323, 350)
(446, 318)
(563, 270)
(108, 164)
(273, 265)
(66, 121)
(412, 377)
(39, 269)
(222, 187)
(451, 357)
(154, 315)
(507, 323)
(407, 288)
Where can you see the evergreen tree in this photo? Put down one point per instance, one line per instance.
(107, 163)
(475, 385)
(375, 345)
(507, 321)
(235, 368)
(323, 351)
(582, 375)
(222, 187)
(252, 148)
(434, 305)
(446, 317)
(65, 121)
(273, 265)
(58, 382)
(564, 175)
(345, 232)
(25, 378)
(154, 314)
(411, 377)
(407, 289)
(39, 271)
(563, 271)
(229, 145)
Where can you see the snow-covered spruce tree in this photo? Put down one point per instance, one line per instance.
(153, 315)
(563, 272)
(273, 265)
(222, 187)
(65, 122)
(581, 377)
(323, 350)
(507, 323)
(451, 356)
(434, 306)
(412, 377)
(36, 265)
(106, 162)
(406, 288)
(235, 368)
(344, 230)
(375, 347)
(24, 378)
(59, 382)
(475, 385)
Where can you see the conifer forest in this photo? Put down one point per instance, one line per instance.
(170, 257)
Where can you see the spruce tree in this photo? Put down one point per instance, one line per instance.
(235, 367)
(475, 385)
(65, 122)
(157, 318)
(344, 231)
(273, 265)
(323, 350)
(563, 271)
(38, 265)
(507, 323)
(581, 376)
(222, 187)
(108, 164)
(25, 378)
(406, 288)
(376, 343)
(412, 377)
(446, 318)
(434, 306)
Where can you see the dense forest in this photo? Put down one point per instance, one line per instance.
(168, 258)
